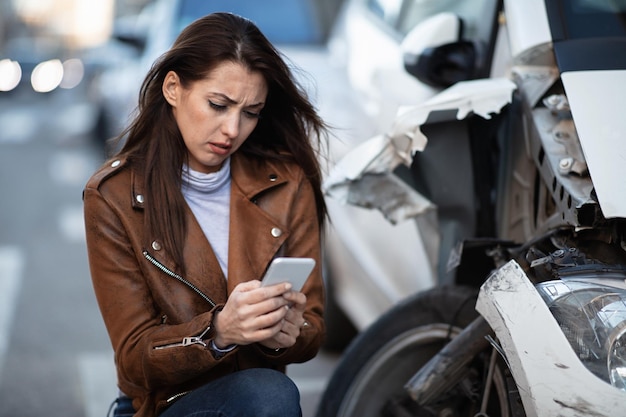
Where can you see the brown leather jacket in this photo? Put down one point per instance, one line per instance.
(157, 320)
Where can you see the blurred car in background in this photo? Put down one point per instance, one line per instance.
(296, 27)
(39, 70)
(40, 64)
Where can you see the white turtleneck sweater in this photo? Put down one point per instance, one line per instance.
(208, 196)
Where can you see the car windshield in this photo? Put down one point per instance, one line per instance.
(282, 21)
(593, 18)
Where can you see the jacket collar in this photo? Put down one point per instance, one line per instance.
(253, 176)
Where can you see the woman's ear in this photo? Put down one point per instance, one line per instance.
(170, 88)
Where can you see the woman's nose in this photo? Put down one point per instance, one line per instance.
(230, 126)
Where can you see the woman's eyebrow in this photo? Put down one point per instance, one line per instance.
(231, 101)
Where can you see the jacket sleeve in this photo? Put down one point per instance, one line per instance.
(304, 241)
(136, 327)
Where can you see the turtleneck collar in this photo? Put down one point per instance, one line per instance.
(206, 183)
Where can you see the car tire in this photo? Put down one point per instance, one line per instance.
(372, 372)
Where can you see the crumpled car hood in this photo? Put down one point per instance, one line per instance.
(350, 180)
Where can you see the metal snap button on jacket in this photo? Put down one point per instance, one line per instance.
(276, 232)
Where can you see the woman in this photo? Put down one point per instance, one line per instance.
(217, 177)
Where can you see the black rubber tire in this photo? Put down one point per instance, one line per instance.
(379, 361)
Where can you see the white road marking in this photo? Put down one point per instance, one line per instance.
(99, 383)
(11, 268)
(71, 223)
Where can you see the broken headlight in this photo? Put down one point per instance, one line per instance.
(592, 315)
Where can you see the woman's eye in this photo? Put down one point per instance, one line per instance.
(252, 115)
(216, 106)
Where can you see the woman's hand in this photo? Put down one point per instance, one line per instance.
(292, 322)
(254, 313)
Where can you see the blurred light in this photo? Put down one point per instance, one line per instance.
(80, 23)
(10, 74)
(34, 11)
(87, 23)
(73, 72)
(47, 76)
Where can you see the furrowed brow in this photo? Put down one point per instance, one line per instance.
(230, 101)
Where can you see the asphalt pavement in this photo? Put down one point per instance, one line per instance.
(55, 356)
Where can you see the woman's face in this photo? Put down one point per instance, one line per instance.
(216, 115)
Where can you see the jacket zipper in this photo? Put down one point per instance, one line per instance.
(190, 340)
(177, 396)
(173, 274)
(187, 341)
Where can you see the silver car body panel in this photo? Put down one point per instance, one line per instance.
(522, 15)
(596, 99)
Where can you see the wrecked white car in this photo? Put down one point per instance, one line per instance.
(513, 184)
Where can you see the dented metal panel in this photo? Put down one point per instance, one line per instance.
(351, 182)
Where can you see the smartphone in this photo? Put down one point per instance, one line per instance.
(289, 269)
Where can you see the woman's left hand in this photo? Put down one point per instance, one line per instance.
(292, 322)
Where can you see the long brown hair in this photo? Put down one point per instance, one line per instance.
(287, 129)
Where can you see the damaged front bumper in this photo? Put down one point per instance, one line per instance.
(551, 379)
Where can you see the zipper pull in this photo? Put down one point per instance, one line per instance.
(187, 341)
(192, 341)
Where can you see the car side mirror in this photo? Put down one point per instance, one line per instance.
(444, 65)
(434, 53)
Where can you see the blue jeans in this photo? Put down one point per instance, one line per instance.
(250, 393)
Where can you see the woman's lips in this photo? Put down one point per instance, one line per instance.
(220, 148)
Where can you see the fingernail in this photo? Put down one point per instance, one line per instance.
(287, 286)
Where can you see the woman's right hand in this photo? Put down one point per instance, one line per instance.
(252, 313)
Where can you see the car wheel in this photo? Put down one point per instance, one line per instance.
(370, 378)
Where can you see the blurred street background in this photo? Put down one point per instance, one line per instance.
(55, 356)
